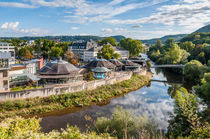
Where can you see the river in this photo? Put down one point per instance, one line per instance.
(154, 101)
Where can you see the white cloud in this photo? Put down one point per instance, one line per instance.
(74, 28)
(14, 27)
(15, 4)
(84, 11)
(59, 3)
(138, 34)
(95, 12)
(115, 2)
(188, 14)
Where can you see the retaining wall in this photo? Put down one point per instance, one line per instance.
(65, 88)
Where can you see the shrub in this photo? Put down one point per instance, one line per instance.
(149, 64)
(19, 128)
(123, 124)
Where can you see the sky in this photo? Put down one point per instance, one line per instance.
(137, 19)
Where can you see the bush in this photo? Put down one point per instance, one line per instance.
(194, 71)
(19, 128)
(123, 124)
(149, 64)
(16, 89)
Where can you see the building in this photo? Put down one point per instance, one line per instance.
(33, 65)
(117, 63)
(7, 47)
(23, 74)
(31, 42)
(59, 72)
(83, 49)
(4, 67)
(130, 66)
(124, 54)
(101, 73)
(100, 63)
(91, 53)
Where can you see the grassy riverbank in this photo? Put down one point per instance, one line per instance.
(28, 107)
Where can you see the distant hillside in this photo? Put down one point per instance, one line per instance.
(66, 38)
(197, 38)
(118, 37)
(203, 29)
(177, 37)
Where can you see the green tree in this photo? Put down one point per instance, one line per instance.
(203, 90)
(158, 44)
(188, 46)
(56, 52)
(169, 43)
(194, 71)
(110, 40)
(134, 47)
(185, 121)
(201, 57)
(38, 45)
(107, 52)
(175, 55)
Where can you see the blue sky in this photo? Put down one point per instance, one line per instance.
(138, 19)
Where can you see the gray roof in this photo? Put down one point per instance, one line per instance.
(5, 55)
(129, 63)
(116, 62)
(101, 69)
(119, 48)
(58, 67)
(100, 63)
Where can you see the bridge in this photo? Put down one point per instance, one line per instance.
(169, 82)
(168, 66)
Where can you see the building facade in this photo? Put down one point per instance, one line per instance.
(4, 67)
(7, 47)
(81, 48)
(91, 54)
(124, 54)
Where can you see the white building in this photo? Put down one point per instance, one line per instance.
(91, 53)
(7, 47)
(31, 42)
(4, 67)
(80, 48)
(124, 54)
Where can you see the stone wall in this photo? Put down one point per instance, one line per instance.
(65, 88)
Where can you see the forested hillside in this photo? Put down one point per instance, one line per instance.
(163, 39)
(197, 38)
(203, 29)
(66, 38)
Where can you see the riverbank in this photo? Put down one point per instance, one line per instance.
(34, 106)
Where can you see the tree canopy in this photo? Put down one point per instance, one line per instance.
(134, 47)
(110, 40)
(107, 52)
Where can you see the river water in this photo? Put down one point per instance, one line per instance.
(154, 101)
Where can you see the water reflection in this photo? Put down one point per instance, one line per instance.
(154, 101)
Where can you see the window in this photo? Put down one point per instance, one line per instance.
(5, 83)
(5, 74)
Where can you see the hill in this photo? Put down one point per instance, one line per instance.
(203, 29)
(197, 38)
(177, 37)
(66, 38)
